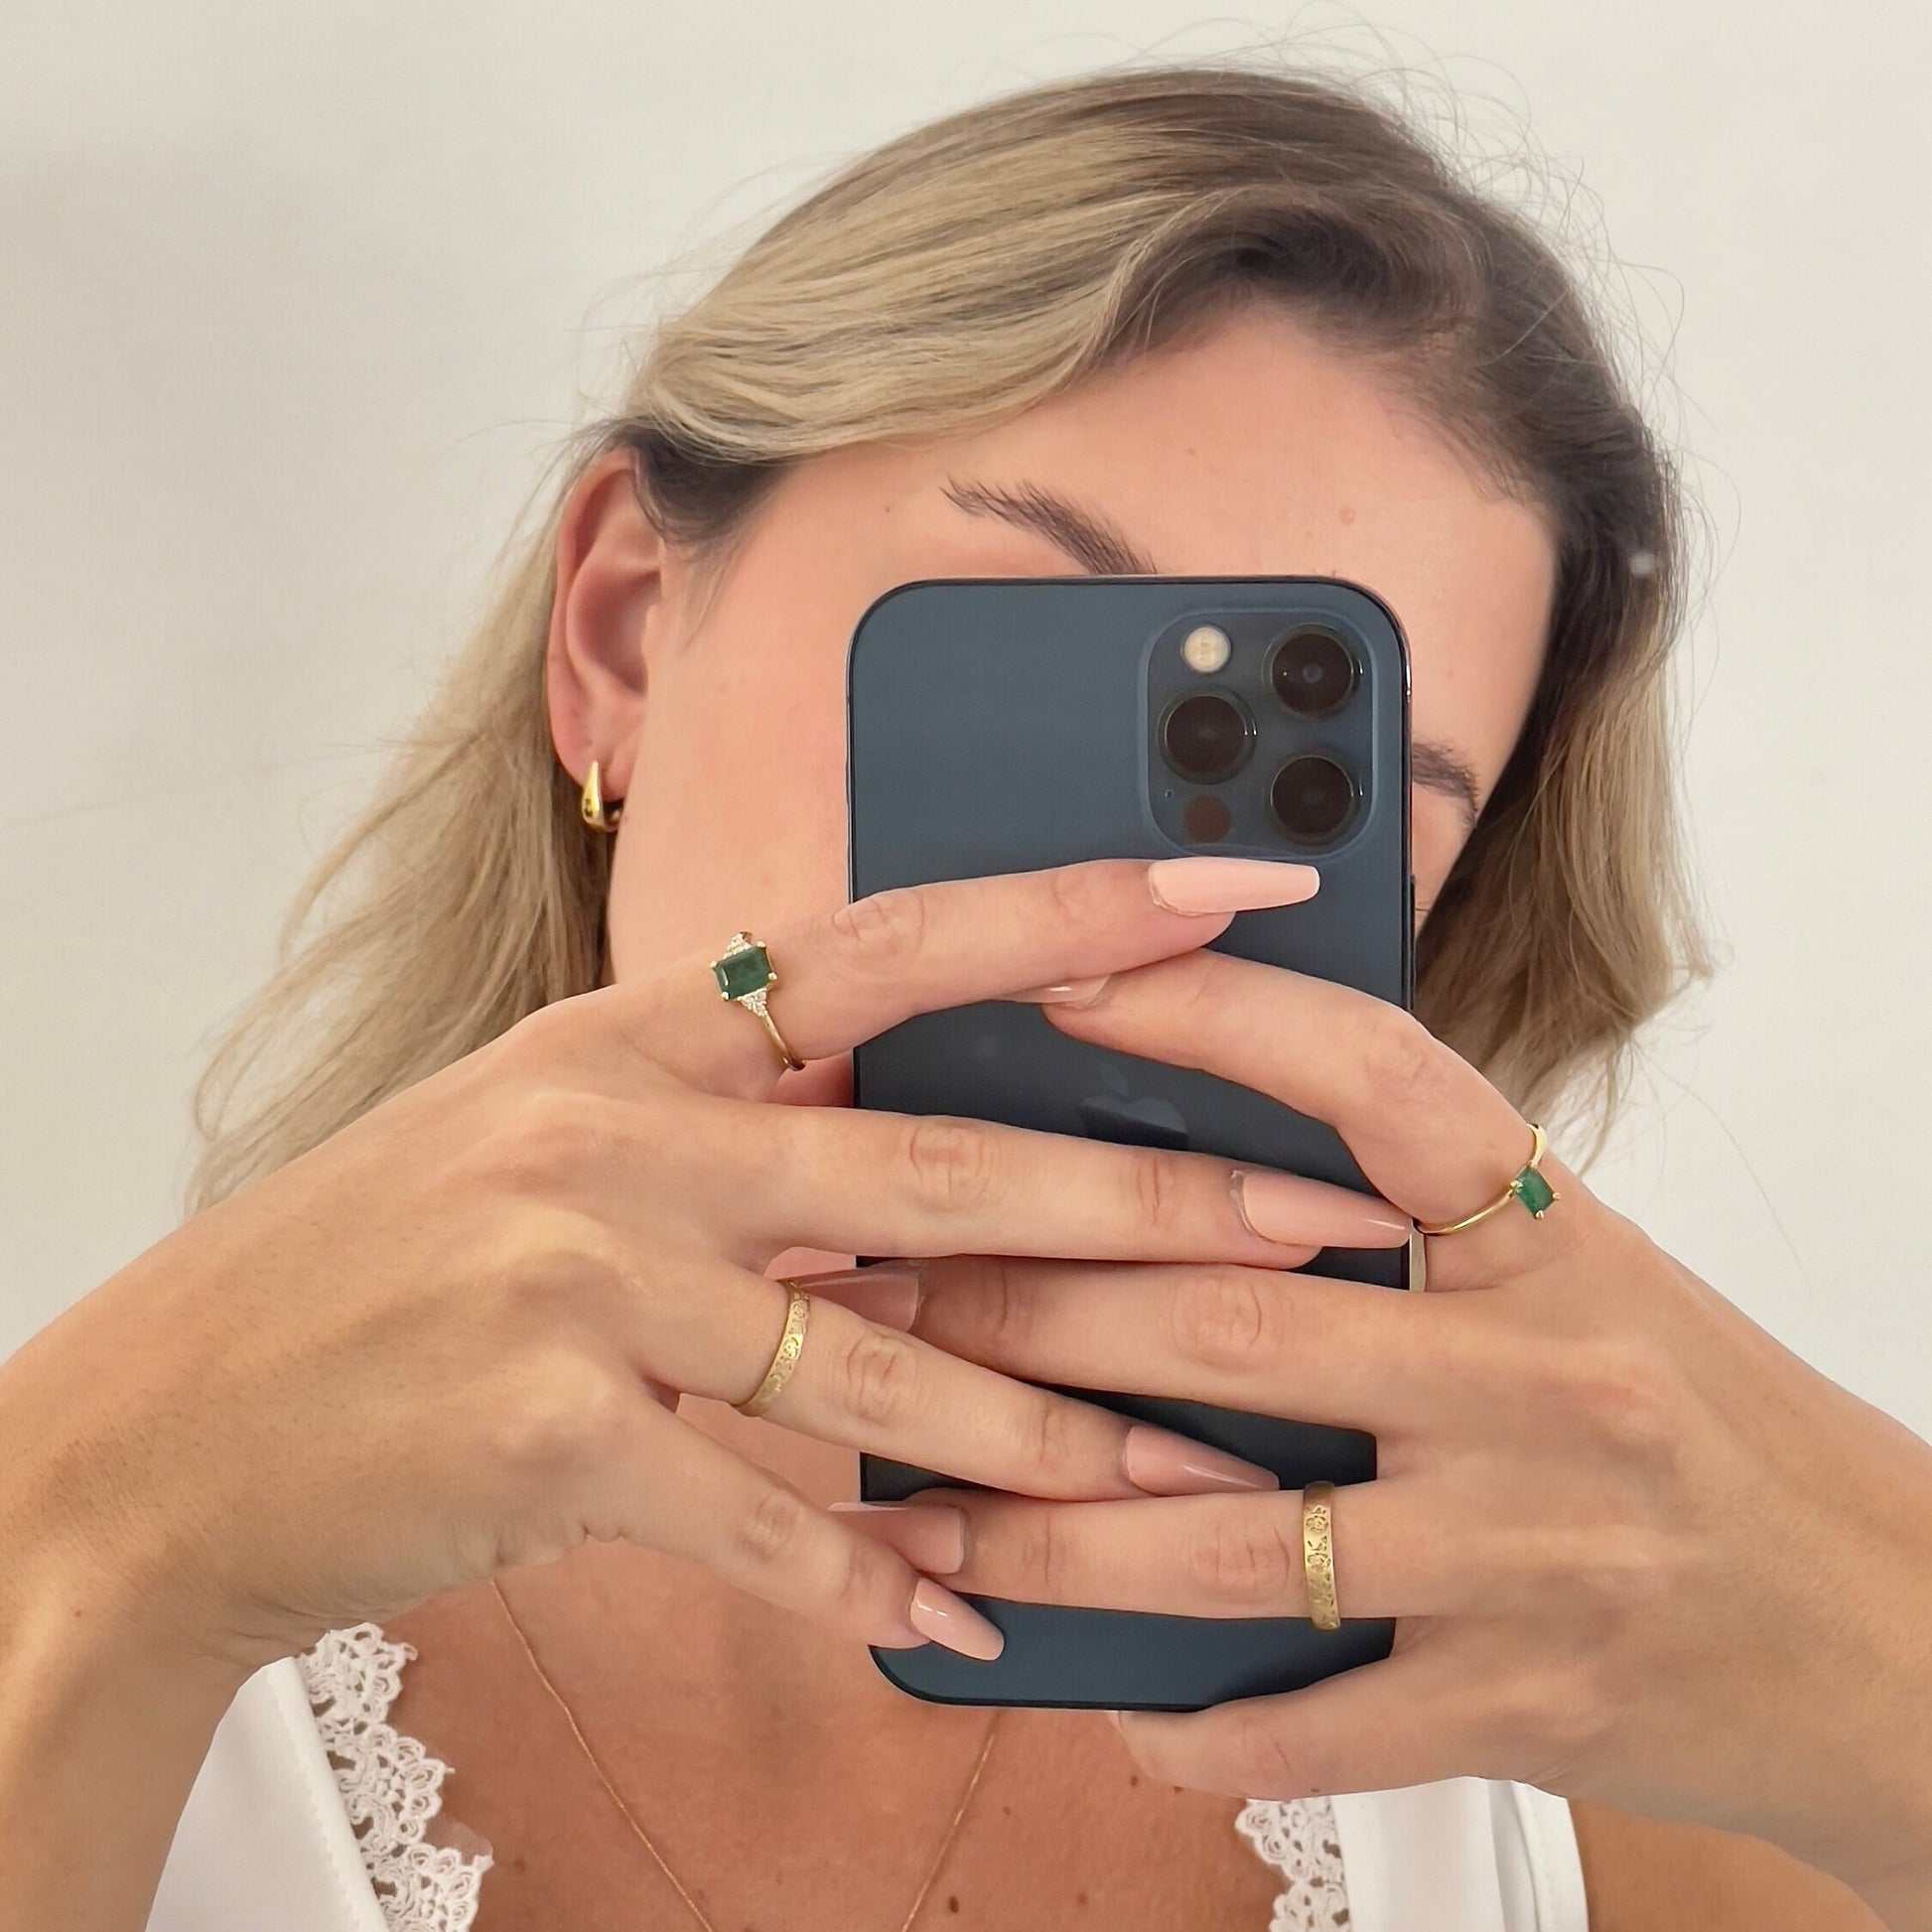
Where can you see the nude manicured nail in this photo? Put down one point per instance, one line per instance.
(1166, 1465)
(948, 1620)
(1206, 884)
(1069, 993)
(930, 1536)
(887, 1291)
(1312, 1214)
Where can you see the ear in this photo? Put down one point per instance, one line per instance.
(609, 565)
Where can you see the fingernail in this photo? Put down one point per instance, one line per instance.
(1162, 1464)
(1069, 993)
(1311, 1213)
(1208, 884)
(888, 1292)
(930, 1536)
(948, 1620)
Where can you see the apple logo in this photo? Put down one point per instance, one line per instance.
(1143, 1122)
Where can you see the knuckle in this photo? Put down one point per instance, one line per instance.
(1074, 895)
(541, 1262)
(1628, 1571)
(951, 1165)
(1568, 1715)
(1221, 1318)
(865, 1581)
(536, 1138)
(884, 932)
(1261, 1755)
(1241, 1556)
(1053, 1440)
(1008, 1313)
(565, 1415)
(773, 1528)
(1045, 1557)
(1155, 1187)
(1632, 1394)
(876, 1374)
(540, 1038)
(1404, 1065)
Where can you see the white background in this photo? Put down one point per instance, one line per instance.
(296, 299)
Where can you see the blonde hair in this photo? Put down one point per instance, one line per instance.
(954, 277)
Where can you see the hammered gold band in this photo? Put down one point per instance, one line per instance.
(1318, 1555)
(784, 1358)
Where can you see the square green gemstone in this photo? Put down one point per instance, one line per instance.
(1533, 1191)
(744, 971)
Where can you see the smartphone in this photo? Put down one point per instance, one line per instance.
(1005, 724)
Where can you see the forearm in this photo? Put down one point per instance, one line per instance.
(101, 1735)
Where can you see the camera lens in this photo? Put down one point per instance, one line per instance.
(1313, 673)
(1313, 798)
(1206, 737)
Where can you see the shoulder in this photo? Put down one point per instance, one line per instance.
(1643, 1875)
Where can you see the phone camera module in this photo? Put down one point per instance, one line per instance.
(1314, 800)
(1206, 737)
(1313, 673)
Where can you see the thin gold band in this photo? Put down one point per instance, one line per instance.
(1539, 1146)
(1318, 1555)
(754, 1002)
(784, 1358)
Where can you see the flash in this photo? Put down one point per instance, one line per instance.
(1205, 648)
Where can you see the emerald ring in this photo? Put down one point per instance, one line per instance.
(1529, 1188)
(746, 976)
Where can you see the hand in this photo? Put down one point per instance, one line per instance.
(1639, 1552)
(451, 1338)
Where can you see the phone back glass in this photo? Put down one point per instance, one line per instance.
(1003, 725)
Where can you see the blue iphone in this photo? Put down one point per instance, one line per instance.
(1005, 724)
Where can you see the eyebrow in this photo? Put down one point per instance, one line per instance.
(1103, 550)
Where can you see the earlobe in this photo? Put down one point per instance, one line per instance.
(609, 584)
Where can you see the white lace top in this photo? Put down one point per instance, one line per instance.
(392, 1789)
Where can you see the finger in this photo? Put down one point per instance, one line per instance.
(670, 1486)
(1431, 1134)
(892, 1395)
(1255, 1340)
(761, 1178)
(861, 968)
(1403, 1547)
(1413, 1718)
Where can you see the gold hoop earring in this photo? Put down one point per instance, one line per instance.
(598, 815)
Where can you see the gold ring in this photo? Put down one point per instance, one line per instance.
(745, 975)
(1529, 1188)
(1318, 1554)
(784, 1358)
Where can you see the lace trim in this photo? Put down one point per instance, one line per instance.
(392, 1787)
(1298, 1837)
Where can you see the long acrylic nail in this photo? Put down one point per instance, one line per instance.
(1068, 993)
(1162, 1464)
(1313, 1215)
(1209, 884)
(930, 1536)
(948, 1620)
(888, 1292)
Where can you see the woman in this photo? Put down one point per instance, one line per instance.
(496, 1192)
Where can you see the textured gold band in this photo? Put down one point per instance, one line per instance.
(784, 1358)
(1318, 1555)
